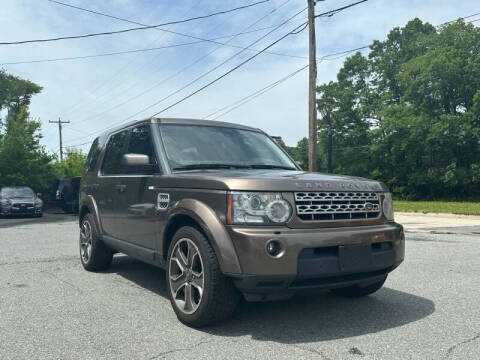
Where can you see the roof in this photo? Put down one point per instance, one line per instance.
(179, 121)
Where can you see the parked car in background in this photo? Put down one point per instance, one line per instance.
(20, 201)
(67, 194)
(226, 212)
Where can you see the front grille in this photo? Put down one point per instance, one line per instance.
(22, 208)
(319, 206)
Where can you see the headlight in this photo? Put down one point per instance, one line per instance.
(5, 202)
(257, 208)
(388, 206)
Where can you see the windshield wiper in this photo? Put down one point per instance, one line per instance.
(210, 166)
(265, 166)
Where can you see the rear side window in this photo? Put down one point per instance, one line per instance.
(92, 157)
(112, 163)
(141, 143)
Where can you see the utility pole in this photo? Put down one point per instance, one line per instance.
(312, 85)
(60, 122)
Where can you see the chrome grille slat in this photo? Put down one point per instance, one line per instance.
(337, 205)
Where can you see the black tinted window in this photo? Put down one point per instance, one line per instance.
(92, 157)
(112, 163)
(196, 144)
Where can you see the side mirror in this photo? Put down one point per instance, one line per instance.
(135, 160)
(39, 194)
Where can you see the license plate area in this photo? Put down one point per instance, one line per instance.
(355, 257)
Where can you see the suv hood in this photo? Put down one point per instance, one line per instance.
(20, 199)
(272, 180)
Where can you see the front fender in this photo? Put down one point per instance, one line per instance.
(213, 228)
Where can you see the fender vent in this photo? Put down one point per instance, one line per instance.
(163, 200)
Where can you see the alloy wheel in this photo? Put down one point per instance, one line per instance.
(86, 241)
(186, 276)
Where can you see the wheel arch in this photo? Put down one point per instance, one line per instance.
(89, 206)
(191, 212)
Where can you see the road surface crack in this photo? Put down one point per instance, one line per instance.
(40, 261)
(64, 281)
(205, 341)
(306, 348)
(456, 346)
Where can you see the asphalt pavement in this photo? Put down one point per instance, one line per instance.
(50, 308)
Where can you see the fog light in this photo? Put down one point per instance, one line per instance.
(274, 248)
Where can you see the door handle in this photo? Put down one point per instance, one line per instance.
(121, 188)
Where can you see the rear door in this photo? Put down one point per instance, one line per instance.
(109, 179)
(138, 221)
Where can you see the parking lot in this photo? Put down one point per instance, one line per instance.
(50, 308)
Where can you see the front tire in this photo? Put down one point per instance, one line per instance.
(360, 291)
(94, 255)
(199, 293)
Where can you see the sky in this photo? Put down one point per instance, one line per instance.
(95, 93)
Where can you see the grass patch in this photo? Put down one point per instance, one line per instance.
(449, 207)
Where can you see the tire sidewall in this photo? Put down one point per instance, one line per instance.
(94, 238)
(200, 241)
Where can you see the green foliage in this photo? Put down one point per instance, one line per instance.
(73, 164)
(23, 161)
(408, 114)
(16, 93)
(300, 154)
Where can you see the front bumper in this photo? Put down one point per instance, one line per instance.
(315, 258)
(20, 211)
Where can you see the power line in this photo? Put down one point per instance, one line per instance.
(268, 87)
(121, 70)
(195, 92)
(212, 40)
(294, 31)
(130, 29)
(221, 44)
(252, 96)
(334, 11)
(464, 17)
(207, 72)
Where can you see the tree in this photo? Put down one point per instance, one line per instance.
(23, 161)
(408, 113)
(15, 92)
(73, 164)
(300, 153)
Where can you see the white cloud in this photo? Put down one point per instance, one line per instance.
(282, 111)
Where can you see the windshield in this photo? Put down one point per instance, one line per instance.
(198, 146)
(23, 192)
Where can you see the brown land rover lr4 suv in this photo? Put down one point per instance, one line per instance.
(227, 212)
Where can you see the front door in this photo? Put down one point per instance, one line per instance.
(137, 193)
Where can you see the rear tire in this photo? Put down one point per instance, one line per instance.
(359, 291)
(94, 255)
(193, 273)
